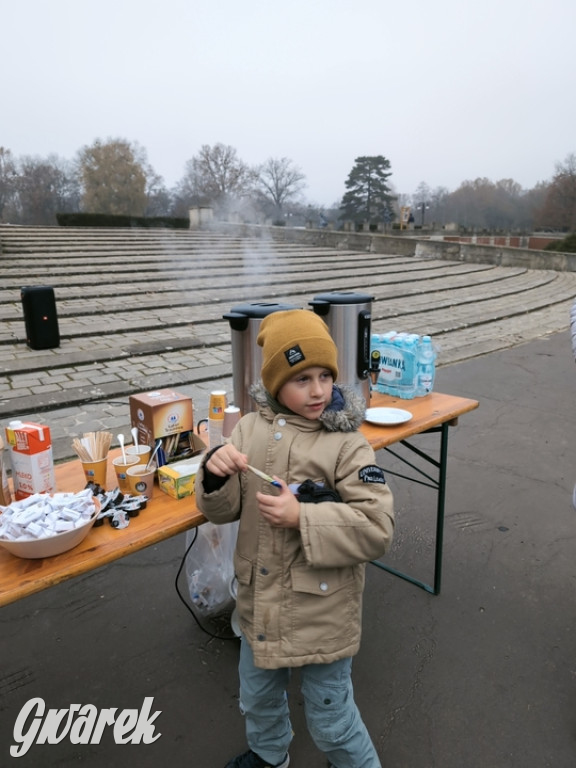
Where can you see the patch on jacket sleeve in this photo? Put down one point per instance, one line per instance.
(372, 474)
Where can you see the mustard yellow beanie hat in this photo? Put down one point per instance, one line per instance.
(291, 341)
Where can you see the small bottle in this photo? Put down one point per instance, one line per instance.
(426, 368)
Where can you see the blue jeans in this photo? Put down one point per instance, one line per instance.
(332, 716)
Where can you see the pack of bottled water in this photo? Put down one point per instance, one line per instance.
(402, 364)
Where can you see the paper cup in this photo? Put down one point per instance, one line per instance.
(141, 451)
(217, 405)
(141, 480)
(231, 418)
(120, 467)
(96, 471)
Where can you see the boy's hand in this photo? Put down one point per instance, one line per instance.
(281, 510)
(227, 460)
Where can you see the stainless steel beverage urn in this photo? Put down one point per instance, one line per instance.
(245, 322)
(348, 317)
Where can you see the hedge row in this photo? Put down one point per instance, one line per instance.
(109, 220)
(568, 245)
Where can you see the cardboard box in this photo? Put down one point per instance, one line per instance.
(160, 413)
(178, 479)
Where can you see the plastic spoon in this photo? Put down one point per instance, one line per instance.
(120, 439)
(154, 452)
(134, 432)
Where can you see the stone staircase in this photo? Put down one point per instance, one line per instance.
(140, 309)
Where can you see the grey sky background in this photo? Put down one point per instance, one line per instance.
(447, 90)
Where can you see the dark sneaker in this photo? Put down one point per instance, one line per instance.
(251, 760)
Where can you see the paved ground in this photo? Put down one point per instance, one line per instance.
(481, 676)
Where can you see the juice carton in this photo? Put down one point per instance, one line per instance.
(32, 460)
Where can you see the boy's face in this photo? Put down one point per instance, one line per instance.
(307, 393)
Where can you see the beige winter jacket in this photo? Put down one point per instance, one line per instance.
(300, 591)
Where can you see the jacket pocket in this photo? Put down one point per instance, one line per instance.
(325, 608)
(323, 582)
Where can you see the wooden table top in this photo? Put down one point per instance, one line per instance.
(165, 516)
(427, 412)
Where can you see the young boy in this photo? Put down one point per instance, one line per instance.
(300, 562)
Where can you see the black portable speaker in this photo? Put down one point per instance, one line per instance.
(40, 318)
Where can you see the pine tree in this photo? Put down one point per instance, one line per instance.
(369, 197)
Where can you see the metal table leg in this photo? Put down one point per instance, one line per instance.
(437, 483)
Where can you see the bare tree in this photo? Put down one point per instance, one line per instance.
(7, 179)
(486, 205)
(559, 210)
(214, 175)
(438, 197)
(38, 188)
(531, 205)
(279, 181)
(159, 200)
(421, 201)
(45, 187)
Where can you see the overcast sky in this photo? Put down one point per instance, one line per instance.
(447, 90)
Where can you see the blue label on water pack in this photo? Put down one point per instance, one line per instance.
(397, 368)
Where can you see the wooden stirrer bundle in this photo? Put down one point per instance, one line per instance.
(92, 446)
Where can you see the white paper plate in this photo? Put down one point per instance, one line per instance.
(387, 416)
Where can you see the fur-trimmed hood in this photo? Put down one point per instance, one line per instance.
(345, 413)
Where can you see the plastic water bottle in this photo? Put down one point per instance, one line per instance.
(426, 367)
(389, 363)
(406, 385)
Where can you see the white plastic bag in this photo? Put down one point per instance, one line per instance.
(210, 567)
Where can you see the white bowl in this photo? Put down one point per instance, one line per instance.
(52, 545)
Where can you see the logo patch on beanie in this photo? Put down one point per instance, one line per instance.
(294, 355)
